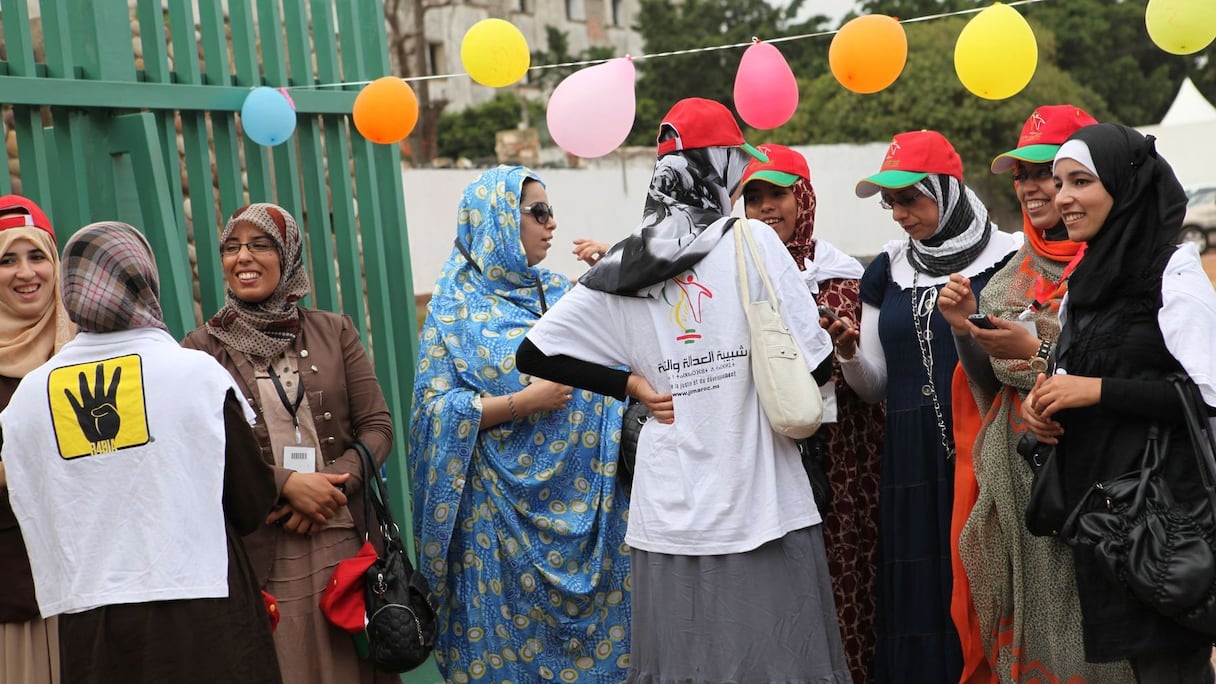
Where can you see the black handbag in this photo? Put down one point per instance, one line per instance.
(1046, 510)
(636, 415)
(1143, 537)
(401, 623)
(814, 454)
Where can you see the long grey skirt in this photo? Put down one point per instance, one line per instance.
(761, 617)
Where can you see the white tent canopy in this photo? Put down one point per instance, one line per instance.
(1186, 136)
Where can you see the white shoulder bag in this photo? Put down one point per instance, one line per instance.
(788, 393)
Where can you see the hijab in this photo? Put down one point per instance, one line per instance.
(689, 194)
(1149, 205)
(26, 343)
(963, 228)
(267, 328)
(110, 282)
(802, 243)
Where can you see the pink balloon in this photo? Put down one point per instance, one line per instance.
(591, 112)
(766, 93)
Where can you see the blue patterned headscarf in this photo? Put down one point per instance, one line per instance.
(520, 527)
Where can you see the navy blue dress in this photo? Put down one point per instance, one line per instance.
(917, 641)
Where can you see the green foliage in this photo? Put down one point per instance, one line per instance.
(929, 95)
(666, 27)
(472, 132)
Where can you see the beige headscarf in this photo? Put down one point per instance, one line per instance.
(26, 343)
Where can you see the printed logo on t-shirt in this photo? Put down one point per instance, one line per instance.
(98, 407)
(685, 295)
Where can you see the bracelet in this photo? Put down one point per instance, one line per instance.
(511, 405)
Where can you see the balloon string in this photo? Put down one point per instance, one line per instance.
(672, 53)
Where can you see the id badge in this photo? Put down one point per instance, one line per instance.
(302, 459)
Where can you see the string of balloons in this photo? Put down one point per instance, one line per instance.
(591, 112)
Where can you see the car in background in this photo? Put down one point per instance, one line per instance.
(1199, 224)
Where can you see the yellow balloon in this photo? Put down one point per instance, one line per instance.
(495, 53)
(1181, 27)
(996, 54)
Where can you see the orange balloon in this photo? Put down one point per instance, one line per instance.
(386, 110)
(868, 53)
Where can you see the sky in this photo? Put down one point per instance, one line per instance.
(835, 9)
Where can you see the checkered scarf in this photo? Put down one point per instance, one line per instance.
(963, 228)
(265, 329)
(110, 281)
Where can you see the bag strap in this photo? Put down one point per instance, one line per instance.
(1198, 427)
(375, 501)
(743, 234)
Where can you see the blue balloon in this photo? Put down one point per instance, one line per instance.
(268, 117)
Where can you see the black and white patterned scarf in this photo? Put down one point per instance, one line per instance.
(963, 228)
(110, 282)
(689, 191)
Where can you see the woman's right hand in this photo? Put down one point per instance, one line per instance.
(1046, 429)
(315, 496)
(543, 395)
(845, 335)
(590, 251)
(956, 301)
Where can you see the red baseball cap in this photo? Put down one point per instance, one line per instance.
(698, 122)
(910, 159)
(342, 600)
(784, 166)
(1042, 134)
(17, 211)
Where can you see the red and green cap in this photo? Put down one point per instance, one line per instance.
(1042, 134)
(697, 123)
(911, 157)
(784, 166)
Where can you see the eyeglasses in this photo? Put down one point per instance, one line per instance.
(905, 201)
(541, 211)
(232, 248)
(1039, 175)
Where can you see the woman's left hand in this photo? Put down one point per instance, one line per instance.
(1061, 392)
(661, 406)
(293, 522)
(1010, 340)
(590, 251)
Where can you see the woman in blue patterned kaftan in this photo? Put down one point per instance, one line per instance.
(519, 519)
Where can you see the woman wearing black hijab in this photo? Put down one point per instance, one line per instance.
(1138, 308)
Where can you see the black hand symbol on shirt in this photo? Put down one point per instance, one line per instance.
(97, 411)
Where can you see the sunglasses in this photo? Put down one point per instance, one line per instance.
(1038, 175)
(905, 201)
(541, 211)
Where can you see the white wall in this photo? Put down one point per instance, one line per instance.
(605, 203)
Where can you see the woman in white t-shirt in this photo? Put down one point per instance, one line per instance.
(730, 578)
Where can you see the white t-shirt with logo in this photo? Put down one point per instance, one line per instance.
(719, 480)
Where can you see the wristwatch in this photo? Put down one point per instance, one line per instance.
(1038, 362)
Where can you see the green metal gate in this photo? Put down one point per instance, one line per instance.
(129, 113)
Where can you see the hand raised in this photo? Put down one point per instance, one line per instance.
(97, 411)
(590, 251)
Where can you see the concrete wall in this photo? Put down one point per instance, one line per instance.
(604, 202)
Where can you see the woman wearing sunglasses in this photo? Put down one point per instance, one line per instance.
(904, 353)
(520, 521)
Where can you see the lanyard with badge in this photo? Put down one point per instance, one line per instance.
(297, 457)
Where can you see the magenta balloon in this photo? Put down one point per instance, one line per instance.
(766, 93)
(591, 112)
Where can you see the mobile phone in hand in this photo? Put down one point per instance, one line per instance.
(981, 320)
(831, 316)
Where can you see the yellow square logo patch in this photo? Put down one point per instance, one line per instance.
(98, 407)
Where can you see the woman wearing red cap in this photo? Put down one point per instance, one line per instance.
(903, 353)
(844, 455)
(33, 326)
(730, 577)
(1139, 309)
(1027, 616)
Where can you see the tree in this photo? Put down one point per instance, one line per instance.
(410, 56)
(665, 26)
(929, 95)
(472, 133)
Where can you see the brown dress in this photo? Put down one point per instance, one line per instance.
(850, 521)
(29, 645)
